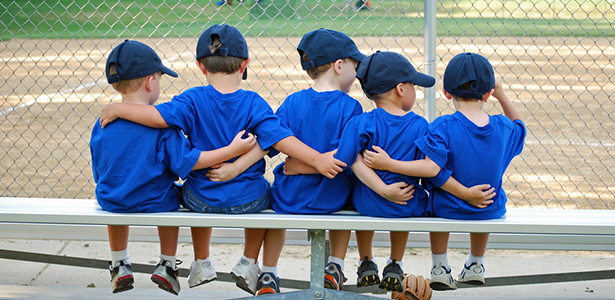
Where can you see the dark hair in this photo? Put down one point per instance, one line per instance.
(217, 64)
(315, 72)
(466, 87)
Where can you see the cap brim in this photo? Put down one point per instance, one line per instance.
(359, 56)
(168, 71)
(423, 80)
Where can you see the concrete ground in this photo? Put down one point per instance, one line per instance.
(31, 280)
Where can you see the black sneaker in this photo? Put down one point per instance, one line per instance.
(268, 283)
(334, 277)
(392, 278)
(166, 277)
(367, 274)
(121, 277)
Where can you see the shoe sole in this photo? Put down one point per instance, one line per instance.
(439, 286)
(201, 283)
(266, 291)
(124, 284)
(240, 282)
(473, 282)
(391, 284)
(163, 284)
(368, 280)
(331, 284)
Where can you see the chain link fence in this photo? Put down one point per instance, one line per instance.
(554, 58)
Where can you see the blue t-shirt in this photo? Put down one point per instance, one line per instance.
(211, 120)
(472, 155)
(317, 119)
(135, 166)
(396, 135)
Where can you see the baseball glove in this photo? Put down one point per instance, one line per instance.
(415, 288)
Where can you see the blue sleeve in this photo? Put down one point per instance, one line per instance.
(351, 143)
(519, 133)
(282, 113)
(268, 127)
(434, 146)
(178, 113)
(177, 154)
(442, 177)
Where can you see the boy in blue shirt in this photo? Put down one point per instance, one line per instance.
(388, 79)
(473, 147)
(210, 116)
(135, 166)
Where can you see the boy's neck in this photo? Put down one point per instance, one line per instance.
(327, 82)
(224, 83)
(392, 105)
(473, 110)
(139, 97)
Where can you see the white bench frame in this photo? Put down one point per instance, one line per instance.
(516, 221)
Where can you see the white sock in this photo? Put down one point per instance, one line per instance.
(479, 260)
(251, 260)
(273, 270)
(400, 263)
(170, 259)
(120, 255)
(337, 260)
(440, 258)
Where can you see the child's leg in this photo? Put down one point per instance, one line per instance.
(166, 273)
(393, 275)
(253, 241)
(201, 236)
(473, 270)
(478, 243)
(201, 270)
(399, 240)
(364, 244)
(273, 244)
(121, 274)
(367, 274)
(441, 278)
(334, 271)
(246, 272)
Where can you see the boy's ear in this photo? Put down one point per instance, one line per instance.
(201, 67)
(148, 83)
(399, 89)
(244, 65)
(447, 94)
(337, 66)
(487, 95)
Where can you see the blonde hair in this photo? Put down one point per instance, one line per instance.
(315, 72)
(216, 64)
(130, 85)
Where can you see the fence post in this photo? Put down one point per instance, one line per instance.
(429, 35)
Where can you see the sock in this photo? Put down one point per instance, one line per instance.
(337, 260)
(251, 260)
(273, 270)
(400, 263)
(479, 260)
(170, 259)
(120, 255)
(440, 258)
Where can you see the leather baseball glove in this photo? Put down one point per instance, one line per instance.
(415, 288)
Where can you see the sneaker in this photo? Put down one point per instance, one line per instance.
(334, 277)
(392, 278)
(441, 279)
(246, 274)
(121, 277)
(367, 273)
(473, 274)
(166, 277)
(201, 272)
(268, 284)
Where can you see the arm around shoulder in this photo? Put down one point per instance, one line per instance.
(146, 115)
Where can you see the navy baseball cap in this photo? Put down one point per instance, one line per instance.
(469, 67)
(134, 60)
(325, 46)
(233, 43)
(382, 71)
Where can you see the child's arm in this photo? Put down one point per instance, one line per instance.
(293, 166)
(509, 109)
(380, 160)
(399, 192)
(237, 147)
(325, 163)
(146, 115)
(227, 171)
(478, 195)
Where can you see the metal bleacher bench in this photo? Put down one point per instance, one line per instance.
(15, 212)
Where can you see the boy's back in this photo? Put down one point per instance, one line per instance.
(211, 120)
(317, 119)
(396, 135)
(476, 155)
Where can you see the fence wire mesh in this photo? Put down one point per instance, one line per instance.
(554, 58)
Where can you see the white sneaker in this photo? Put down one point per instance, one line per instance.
(473, 274)
(246, 274)
(441, 279)
(201, 272)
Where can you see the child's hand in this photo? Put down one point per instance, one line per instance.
(222, 172)
(480, 195)
(378, 160)
(293, 166)
(399, 193)
(328, 165)
(240, 145)
(498, 91)
(108, 115)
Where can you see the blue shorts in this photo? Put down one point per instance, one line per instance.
(194, 203)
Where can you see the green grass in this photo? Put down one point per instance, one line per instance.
(181, 18)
